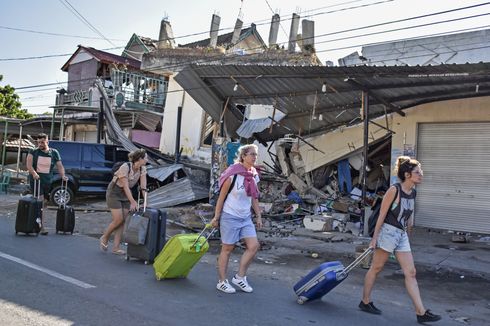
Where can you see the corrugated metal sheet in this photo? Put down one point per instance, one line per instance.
(25, 144)
(149, 121)
(114, 131)
(454, 194)
(249, 127)
(162, 173)
(175, 193)
(297, 91)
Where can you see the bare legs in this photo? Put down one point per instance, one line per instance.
(406, 262)
(247, 257)
(405, 259)
(116, 227)
(379, 259)
(249, 254)
(224, 257)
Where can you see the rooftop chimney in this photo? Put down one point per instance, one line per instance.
(166, 37)
(274, 30)
(236, 32)
(293, 33)
(308, 34)
(213, 33)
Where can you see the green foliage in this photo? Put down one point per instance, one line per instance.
(10, 105)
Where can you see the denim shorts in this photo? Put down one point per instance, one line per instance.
(392, 239)
(234, 228)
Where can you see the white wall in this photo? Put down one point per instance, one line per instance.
(190, 133)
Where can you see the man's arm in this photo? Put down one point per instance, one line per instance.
(30, 168)
(61, 170)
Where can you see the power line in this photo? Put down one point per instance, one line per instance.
(183, 36)
(404, 28)
(212, 58)
(273, 13)
(317, 36)
(55, 34)
(73, 10)
(408, 39)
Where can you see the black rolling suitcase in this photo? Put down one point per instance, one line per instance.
(155, 235)
(29, 212)
(65, 215)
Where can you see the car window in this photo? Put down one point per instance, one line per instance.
(121, 155)
(92, 154)
(69, 152)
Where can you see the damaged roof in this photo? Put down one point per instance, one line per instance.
(225, 39)
(102, 56)
(318, 99)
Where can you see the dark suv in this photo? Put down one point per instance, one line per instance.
(88, 167)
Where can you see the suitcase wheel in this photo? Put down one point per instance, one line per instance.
(146, 262)
(127, 257)
(301, 300)
(158, 277)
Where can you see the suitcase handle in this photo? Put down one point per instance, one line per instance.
(37, 188)
(145, 198)
(64, 190)
(207, 226)
(357, 261)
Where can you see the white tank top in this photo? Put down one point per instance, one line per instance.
(238, 203)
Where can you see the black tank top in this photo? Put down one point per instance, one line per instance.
(401, 210)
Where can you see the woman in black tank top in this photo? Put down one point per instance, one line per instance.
(390, 235)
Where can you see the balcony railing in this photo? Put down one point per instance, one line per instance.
(129, 90)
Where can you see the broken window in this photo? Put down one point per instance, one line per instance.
(207, 129)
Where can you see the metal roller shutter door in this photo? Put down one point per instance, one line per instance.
(455, 192)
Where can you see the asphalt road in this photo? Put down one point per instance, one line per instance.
(67, 280)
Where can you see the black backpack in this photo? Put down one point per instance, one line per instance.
(373, 219)
(118, 165)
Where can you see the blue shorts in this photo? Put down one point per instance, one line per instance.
(234, 228)
(392, 239)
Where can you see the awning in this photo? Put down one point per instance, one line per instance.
(319, 99)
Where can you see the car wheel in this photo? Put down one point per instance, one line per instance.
(59, 196)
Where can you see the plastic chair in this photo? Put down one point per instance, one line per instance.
(5, 181)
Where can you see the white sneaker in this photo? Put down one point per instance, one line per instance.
(242, 284)
(225, 287)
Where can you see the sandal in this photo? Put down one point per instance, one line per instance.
(103, 246)
(119, 252)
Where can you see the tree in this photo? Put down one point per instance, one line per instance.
(10, 105)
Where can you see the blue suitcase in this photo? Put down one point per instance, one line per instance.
(324, 278)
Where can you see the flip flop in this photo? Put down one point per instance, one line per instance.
(119, 252)
(103, 246)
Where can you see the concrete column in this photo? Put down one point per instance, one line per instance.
(166, 37)
(276, 19)
(308, 33)
(293, 33)
(236, 32)
(213, 33)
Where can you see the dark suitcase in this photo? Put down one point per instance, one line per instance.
(324, 278)
(29, 213)
(65, 216)
(65, 219)
(155, 237)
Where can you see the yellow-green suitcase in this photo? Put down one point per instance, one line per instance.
(180, 254)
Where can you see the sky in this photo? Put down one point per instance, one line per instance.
(115, 21)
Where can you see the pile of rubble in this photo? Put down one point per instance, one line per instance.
(323, 200)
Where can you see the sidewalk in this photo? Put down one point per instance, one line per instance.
(432, 250)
